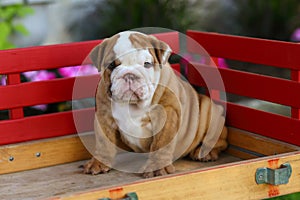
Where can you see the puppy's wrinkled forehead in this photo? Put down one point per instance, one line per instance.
(130, 43)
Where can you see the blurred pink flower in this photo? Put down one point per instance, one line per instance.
(68, 71)
(77, 71)
(3, 80)
(42, 107)
(296, 35)
(44, 75)
(87, 70)
(186, 59)
(222, 63)
(30, 75)
(41, 75)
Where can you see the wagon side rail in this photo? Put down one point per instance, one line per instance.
(281, 91)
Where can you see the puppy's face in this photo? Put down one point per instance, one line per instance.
(130, 64)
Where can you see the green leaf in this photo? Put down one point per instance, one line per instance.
(24, 11)
(5, 31)
(8, 26)
(1, 13)
(20, 29)
(6, 45)
(9, 12)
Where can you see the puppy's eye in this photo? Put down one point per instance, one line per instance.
(112, 65)
(148, 65)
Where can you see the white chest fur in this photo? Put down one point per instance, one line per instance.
(129, 119)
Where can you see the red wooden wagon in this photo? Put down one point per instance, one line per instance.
(40, 155)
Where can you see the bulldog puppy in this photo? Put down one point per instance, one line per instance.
(143, 106)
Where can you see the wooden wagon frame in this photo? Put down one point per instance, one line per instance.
(40, 155)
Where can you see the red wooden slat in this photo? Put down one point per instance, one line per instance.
(52, 91)
(44, 126)
(44, 57)
(260, 51)
(43, 92)
(295, 76)
(55, 56)
(17, 113)
(171, 38)
(264, 123)
(262, 87)
(176, 67)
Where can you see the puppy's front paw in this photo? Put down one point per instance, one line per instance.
(212, 156)
(170, 169)
(95, 167)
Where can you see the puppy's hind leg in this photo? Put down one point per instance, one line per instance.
(213, 155)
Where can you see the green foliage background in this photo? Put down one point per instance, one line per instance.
(112, 16)
(295, 196)
(270, 19)
(8, 24)
(273, 19)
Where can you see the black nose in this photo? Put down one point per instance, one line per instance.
(130, 77)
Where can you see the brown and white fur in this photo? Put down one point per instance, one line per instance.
(142, 106)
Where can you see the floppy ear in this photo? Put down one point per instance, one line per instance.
(97, 54)
(94, 55)
(161, 49)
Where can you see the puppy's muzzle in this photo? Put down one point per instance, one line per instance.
(130, 78)
(129, 87)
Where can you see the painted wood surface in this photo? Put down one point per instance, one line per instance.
(295, 76)
(67, 179)
(246, 49)
(267, 124)
(43, 92)
(280, 91)
(259, 87)
(231, 181)
(38, 154)
(61, 55)
(246, 145)
(45, 126)
(247, 84)
(70, 148)
(14, 79)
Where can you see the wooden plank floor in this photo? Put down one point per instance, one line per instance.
(68, 178)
